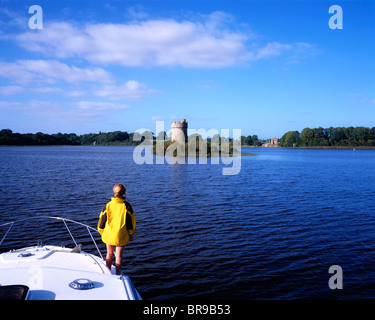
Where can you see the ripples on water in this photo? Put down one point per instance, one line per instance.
(270, 232)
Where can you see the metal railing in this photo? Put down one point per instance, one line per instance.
(55, 218)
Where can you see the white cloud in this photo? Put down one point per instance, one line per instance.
(49, 71)
(11, 19)
(294, 52)
(203, 41)
(72, 113)
(17, 90)
(147, 43)
(360, 98)
(6, 105)
(163, 118)
(272, 49)
(157, 118)
(136, 12)
(60, 39)
(16, 73)
(11, 90)
(209, 43)
(48, 90)
(37, 76)
(60, 71)
(131, 89)
(99, 106)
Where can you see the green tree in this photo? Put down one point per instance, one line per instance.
(307, 137)
(291, 139)
(339, 136)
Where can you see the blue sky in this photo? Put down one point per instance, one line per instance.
(265, 67)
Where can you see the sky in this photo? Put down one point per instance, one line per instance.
(265, 67)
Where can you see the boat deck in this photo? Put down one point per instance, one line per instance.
(49, 272)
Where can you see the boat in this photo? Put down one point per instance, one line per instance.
(53, 272)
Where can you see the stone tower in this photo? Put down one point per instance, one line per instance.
(179, 130)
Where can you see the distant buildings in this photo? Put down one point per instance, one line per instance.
(272, 142)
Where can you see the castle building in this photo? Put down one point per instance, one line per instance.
(179, 130)
(273, 142)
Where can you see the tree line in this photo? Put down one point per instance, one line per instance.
(330, 137)
(120, 138)
(115, 138)
(251, 140)
(316, 137)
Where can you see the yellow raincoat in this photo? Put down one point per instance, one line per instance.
(115, 232)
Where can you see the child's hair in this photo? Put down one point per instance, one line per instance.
(119, 190)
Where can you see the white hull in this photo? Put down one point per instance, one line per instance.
(59, 273)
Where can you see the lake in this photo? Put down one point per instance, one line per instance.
(270, 232)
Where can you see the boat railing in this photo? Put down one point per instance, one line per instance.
(64, 220)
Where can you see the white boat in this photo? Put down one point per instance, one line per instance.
(50, 272)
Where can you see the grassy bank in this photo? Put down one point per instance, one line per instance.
(208, 150)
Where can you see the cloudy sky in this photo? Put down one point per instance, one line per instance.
(265, 67)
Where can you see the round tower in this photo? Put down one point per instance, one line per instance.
(179, 130)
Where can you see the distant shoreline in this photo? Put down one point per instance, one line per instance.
(336, 147)
(316, 147)
(244, 147)
(317, 138)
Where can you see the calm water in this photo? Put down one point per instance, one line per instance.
(270, 232)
